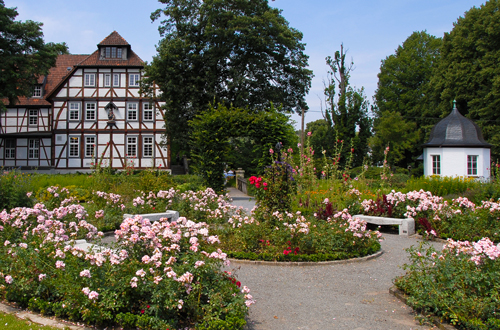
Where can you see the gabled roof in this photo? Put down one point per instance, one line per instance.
(456, 131)
(114, 39)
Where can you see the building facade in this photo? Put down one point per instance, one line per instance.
(86, 112)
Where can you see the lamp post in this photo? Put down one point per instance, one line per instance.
(278, 150)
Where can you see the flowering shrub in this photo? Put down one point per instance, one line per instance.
(459, 284)
(461, 219)
(158, 275)
(286, 236)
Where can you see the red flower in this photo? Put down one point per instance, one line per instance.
(142, 311)
(148, 306)
(238, 284)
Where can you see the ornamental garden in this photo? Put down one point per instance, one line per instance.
(163, 274)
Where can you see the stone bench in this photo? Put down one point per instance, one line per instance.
(406, 226)
(171, 215)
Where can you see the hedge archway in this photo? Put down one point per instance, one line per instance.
(214, 129)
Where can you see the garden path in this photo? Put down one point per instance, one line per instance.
(352, 296)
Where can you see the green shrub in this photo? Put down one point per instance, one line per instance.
(15, 187)
(459, 284)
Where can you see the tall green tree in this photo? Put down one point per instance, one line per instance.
(469, 70)
(393, 131)
(238, 52)
(24, 56)
(346, 110)
(403, 87)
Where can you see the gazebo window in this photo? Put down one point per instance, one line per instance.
(436, 164)
(471, 165)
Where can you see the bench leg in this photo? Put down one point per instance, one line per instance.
(407, 228)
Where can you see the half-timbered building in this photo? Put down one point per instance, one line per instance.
(86, 111)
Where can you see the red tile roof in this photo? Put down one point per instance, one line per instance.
(114, 39)
(55, 76)
(65, 64)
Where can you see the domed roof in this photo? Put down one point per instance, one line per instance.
(456, 131)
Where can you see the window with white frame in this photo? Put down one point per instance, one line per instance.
(147, 146)
(90, 111)
(147, 112)
(133, 80)
(116, 80)
(471, 164)
(436, 164)
(33, 148)
(89, 80)
(132, 111)
(107, 80)
(37, 91)
(10, 148)
(74, 146)
(90, 146)
(33, 117)
(74, 111)
(131, 146)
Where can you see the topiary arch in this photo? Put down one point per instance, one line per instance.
(214, 129)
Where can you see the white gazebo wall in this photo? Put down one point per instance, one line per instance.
(454, 161)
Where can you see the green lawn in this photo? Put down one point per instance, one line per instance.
(9, 321)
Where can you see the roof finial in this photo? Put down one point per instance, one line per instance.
(454, 104)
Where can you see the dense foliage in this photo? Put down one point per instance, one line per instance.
(242, 53)
(403, 111)
(24, 56)
(468, 70)
(218, 132)
(459, 283)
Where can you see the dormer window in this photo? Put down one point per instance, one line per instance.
(37, 91)
(113, 52)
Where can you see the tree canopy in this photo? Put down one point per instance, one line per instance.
(24, 56)
(238, 52)
(403, 88)
(469, 72)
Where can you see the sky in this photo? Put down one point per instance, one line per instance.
(370, 30)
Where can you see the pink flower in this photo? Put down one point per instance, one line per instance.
(93, 295)
(9, 279)
(41, 277)
(271, 151)
(309, 133)
(85, 273)
(86, 291)
(60, 264)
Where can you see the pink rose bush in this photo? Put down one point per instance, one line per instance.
(459, 283)
(173, 268)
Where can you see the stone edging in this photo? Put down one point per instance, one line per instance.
(437, 322)
(306, 263)
(39, 319)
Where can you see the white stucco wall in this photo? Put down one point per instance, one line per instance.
(454, 161)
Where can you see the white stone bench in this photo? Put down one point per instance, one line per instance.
(171, 215)
(406, 226)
